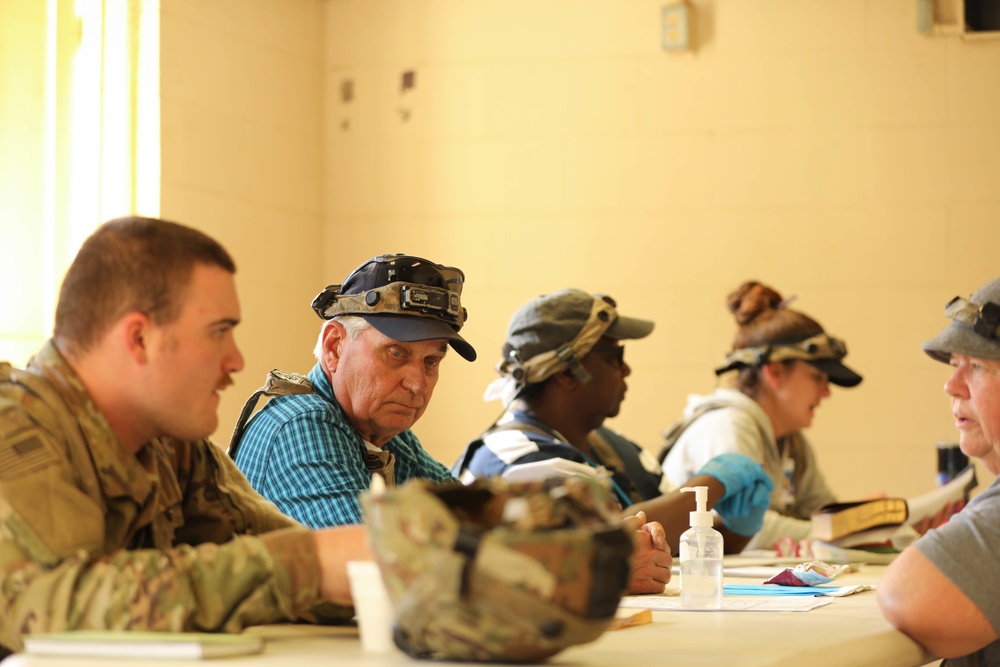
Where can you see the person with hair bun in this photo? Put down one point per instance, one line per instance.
(778, 372)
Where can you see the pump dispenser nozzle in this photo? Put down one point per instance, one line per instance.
(701, 516)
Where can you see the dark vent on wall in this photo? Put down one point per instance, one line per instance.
(982, 15)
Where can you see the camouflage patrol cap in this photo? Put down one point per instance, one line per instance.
(496, 571)
(556, 331)
(552, 320)
(404, 297)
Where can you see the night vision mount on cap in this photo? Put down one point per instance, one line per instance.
(404, 297)
(974, 329)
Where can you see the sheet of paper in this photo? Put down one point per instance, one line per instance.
(753, 572)
(758, 557)
(734, 603)
(833, 554)
(761, 572)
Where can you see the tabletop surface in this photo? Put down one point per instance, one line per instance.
(848, 631)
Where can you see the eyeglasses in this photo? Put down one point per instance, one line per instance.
(615, 354)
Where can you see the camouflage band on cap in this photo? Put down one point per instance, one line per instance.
(516, 374)
(820, 346)
(496, 571)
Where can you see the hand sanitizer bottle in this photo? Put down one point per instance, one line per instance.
(701, 557)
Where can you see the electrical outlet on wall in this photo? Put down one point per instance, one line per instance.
(676, 27)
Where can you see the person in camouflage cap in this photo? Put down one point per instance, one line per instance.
(562, 375)
(499, 572)
(115, 512)
(320, 440)
(386, 337)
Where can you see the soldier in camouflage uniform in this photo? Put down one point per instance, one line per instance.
(115, 511)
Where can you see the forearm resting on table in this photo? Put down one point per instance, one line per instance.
(672, 510)
(921, 602)
(209, 587)
(334, 547)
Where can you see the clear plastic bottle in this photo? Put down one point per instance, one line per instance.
(701, 557)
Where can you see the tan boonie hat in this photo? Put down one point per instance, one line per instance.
(495, 571)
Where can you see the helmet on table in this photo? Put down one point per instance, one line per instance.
(497, 571)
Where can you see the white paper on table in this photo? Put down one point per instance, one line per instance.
(759, 572)
(844, 591)
(758, 557)
(734, 603)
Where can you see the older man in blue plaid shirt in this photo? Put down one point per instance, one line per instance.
(379, 353)
(313, 448)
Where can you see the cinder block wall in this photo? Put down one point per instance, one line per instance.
(242, 158)
(828, 149)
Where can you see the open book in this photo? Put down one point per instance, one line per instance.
(109, 644)
(876, 529)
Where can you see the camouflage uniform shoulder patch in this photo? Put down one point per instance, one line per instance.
(25, 453)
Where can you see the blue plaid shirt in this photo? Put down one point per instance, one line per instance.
(303, 454)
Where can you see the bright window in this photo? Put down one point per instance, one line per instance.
(79, 126)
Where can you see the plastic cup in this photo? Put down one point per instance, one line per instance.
(372, 606)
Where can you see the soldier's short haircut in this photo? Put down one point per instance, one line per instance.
(130, 264)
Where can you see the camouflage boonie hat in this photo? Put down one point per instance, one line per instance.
(495, 571)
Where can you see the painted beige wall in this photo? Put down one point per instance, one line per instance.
(22, 182)
(825, 148)
(242, 100)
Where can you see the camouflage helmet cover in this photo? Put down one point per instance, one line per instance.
(496, 571)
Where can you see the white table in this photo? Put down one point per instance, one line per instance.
(849, 631)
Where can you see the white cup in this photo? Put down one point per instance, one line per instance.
(372, 606)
